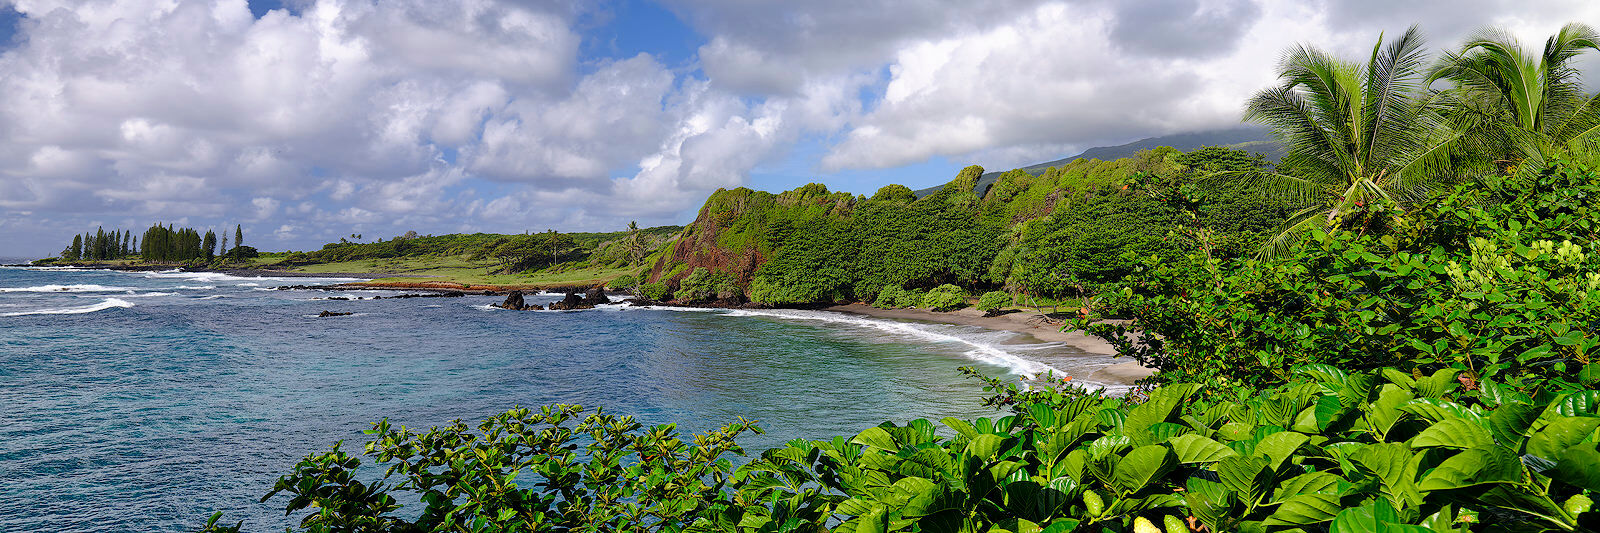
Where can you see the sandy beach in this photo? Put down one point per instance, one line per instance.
(1077, 345)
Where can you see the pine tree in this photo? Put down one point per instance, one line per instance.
(76, 252)
(224, 243)
(210, 245)
(238, 236)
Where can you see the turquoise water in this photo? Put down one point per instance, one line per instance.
(145, 401)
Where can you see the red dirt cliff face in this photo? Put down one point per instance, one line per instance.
(698, 245)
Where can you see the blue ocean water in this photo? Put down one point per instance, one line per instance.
(145, 401)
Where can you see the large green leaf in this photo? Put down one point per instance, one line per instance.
(1560, 434)
(1579, 466)
(985, 446)
(1248, 476)
(1437, 410)
(1311, 483)
(1453, 433)
(876, 437)
(1144, 465)
(1511, 422)
(1305, 509)
(1374, 517)
(1192, 448)
(1476, 466)
(1581, 403)
(1395, 466)
(1279, 447)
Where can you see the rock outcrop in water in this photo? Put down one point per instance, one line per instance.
(595, 296)
(515, 302)
(570, 302)
(326, 314)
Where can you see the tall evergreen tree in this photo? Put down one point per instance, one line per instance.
(238, 236)
(77, 248)
(210, 245)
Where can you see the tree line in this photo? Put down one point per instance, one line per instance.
(158, 243)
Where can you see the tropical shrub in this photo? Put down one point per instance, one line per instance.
(1331, 451)
(1499, 280)
(625, 282)
(702, 284)
(944, 298)
(994, 301)
(657, 291)
(553, 469)
(889, 297)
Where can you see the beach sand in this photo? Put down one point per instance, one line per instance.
(1077, 346)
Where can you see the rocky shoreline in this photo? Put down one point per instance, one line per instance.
(577, 297)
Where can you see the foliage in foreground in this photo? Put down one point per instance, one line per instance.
(1500, 281)
(1333, 451)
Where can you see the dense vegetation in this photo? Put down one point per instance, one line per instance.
(160, 243)
(509, 253)
(1392, 329)
(1060, 233)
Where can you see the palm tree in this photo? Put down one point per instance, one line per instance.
(635, 247)
(1355, 133)
(1526, 107)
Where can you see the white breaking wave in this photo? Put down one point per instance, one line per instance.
(978, 350)
(212, 297)
(87, 287)
(107, 304)
(196, 287)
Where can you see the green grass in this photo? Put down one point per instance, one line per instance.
(459, 269)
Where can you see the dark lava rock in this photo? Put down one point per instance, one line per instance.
(513, 302)
(326, 314)
(595, 296)
(570, 302)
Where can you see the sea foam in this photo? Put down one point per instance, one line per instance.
(86, 287)
(108, 303)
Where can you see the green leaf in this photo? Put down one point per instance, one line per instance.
(1279, 447)
(1061, 525)
(1511, 422)
(1476, 466)
(1560, 434)
(1306, 509)
(1247, 476)
(1311, 483)
(1142, 465)
(1192, 448)
(1374, 517)
(985, 446)
(1438, 410)
(876, 437)
(1579, 466)
(1453, 433)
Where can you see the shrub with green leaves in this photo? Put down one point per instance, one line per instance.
(889, 297)
(657, 291)
(994, 301)
(944, 298)
(1499, 280)
(625, 283)
(1331, 451)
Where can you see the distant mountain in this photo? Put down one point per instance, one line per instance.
(1248, 138)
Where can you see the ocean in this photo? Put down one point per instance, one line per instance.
(145, 401)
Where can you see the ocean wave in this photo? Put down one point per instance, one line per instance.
(196, 287)
(132, 294)
(212, 297)
(977, 349)
(86, 287)
(109, 303)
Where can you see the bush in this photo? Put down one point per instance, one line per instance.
(1499, 280)
(657, 291)
(909, 298)
(1332, 451)
(889, 297)
(944, 298)
(994, 301)
(699, 285)
(625, 283)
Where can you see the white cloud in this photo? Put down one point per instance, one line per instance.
(467, 115)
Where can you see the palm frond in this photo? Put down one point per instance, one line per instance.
(1291, 229)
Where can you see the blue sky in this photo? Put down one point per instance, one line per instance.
(437, 116)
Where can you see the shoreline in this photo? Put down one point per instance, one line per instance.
(1034, 325)
(1026, 323)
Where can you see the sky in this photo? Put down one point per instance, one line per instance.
(308, 120)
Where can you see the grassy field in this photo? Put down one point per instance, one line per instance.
(458, 269)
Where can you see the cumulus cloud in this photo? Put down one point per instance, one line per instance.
(377, 117)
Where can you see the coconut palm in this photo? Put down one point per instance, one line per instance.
(1355, 133)
(1527, 106)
